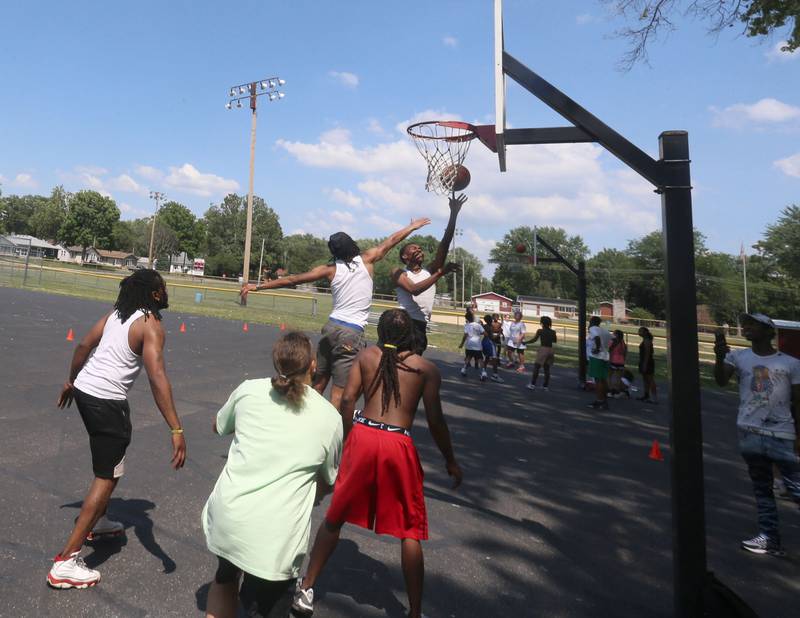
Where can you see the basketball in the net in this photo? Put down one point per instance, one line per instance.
(521, 248)
(455, 175)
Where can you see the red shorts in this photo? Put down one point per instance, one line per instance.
(380, 485)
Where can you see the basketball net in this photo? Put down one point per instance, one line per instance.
(443, 145)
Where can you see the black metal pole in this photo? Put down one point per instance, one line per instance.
(686, 436)
(581, 323)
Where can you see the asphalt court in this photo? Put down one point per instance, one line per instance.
(561, 513)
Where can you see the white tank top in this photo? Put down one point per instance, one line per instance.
(113, 367)
(351, 289)
(419, 307)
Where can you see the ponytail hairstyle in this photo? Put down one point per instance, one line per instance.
(645, 333)
(291, 357)
(395, 335)
(546, 321)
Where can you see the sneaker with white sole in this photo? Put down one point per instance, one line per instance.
(484, 375)
(531, 387)
(497, 378)
(105, 528)
(71, 572)
(303, 600)
(761, 544)
(464, 372)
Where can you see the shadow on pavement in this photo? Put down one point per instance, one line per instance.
(132, 513)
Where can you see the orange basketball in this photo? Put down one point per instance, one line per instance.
(521, 248)
(456, 175)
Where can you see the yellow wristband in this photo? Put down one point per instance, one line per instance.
(179, 430)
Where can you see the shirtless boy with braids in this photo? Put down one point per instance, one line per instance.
(380, 478)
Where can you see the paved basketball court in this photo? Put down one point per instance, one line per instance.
(561, 512)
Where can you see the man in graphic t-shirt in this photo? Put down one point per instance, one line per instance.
(597, 351)
(769, 406)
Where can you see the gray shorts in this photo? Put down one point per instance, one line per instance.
(337, 350)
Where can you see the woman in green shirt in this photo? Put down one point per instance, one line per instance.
(286, 439)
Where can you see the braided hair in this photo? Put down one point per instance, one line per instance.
(395, 335)
(291, 357)
(136, 294)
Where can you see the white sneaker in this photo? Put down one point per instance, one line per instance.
(105, 527)
(303, 600)
(497, 378)
(531, 387)
(71, 572)
(464, 371)
(483, 376)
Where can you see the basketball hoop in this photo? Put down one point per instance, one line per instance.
(444, 145)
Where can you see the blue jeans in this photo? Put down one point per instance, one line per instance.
(761, 453)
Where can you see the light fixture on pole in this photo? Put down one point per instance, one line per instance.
(158, 196)
(268, 87)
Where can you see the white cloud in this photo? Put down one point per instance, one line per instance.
(93, 170)
(126, 184)
(149, 173)
(450, 41)
(24, 181)
(374, 126)
(764, 112)
(584, 18)
(347, 198)
(575, 186)
(345, 78)
(191, 180)
(790, 165)
(776, 53)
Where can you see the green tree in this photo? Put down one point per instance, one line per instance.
(652, 18)
(16, 212)
(516, 275)
(302, 252)
(90, 220)
(225, 231)
(608, 275)
(183, 223)
(781, 243)
(48, 215)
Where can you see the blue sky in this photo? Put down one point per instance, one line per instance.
(128, 97)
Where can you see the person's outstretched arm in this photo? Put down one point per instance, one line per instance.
(79, 358)
(401, 280)
(534, 339)
(437, 425)
(326, 271)
(444, 246)
(153, 359)
(375, 254)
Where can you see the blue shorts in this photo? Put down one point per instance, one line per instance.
(488, 349)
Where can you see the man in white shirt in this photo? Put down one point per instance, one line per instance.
(515, 341)
(416, 286)
(769, 412)
(350, 275)
(597, 351)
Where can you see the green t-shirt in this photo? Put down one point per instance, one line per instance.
(259, 515)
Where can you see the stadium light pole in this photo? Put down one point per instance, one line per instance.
(251, 92)
(158, 196)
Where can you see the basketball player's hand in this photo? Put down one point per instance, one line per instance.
(721, 350)
(178, 451)
(418, 223)
(456, 203)
(454, 471)
(247, 288)
(66, 396)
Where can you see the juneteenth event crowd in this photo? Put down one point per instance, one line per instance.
(291, 445)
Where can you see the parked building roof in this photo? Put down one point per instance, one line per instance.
(546, 301)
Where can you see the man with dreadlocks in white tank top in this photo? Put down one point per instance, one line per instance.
(350, 274)
(123, 341)
(416, 286)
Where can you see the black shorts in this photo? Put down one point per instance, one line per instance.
(474, 354)
(420, 336)
(108, 423)
(261, 598)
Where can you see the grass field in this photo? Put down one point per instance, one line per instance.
(298, 309)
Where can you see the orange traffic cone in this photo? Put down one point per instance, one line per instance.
(655, 452)
(183, 327)
(283, 326)
(245, 327)
(70, 335)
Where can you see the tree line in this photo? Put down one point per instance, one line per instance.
(87, 218)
